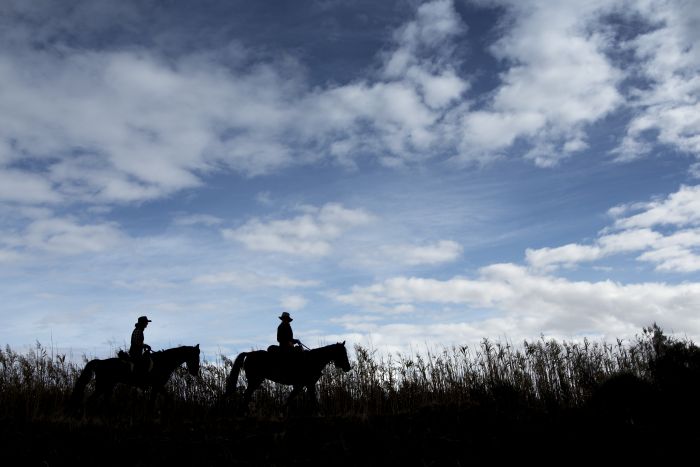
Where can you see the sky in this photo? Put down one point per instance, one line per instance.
(403, 175)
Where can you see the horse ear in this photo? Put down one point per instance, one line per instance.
(197, 345)
(343, 342)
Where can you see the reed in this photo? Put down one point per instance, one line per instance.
(543, 374)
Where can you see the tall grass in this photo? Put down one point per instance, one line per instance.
(539, 374)
(543, 374)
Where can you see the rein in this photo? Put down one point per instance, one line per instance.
(304, 345)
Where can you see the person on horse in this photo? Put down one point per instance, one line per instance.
(136, 351)
(285, 335)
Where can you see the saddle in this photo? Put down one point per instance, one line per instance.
(278, 349)
(285, 357)
(144, 365)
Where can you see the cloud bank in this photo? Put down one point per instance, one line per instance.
(519, 304)
(666, 232)
(128, 124)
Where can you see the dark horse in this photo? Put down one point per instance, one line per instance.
(111, 371)
(298, 369)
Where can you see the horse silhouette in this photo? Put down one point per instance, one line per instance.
(111, 371)
(297, 369)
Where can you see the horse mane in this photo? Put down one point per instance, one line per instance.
(176, 349)
(328, 351)
(174, 352)
(329, 346)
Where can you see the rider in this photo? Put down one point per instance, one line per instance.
(137, 345)
(285, 336)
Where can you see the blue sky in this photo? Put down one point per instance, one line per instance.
(400, 174)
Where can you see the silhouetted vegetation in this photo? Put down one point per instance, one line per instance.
(640, 399)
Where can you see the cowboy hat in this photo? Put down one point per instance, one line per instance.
(285, 315)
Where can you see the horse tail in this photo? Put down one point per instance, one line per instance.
(232, 379)
(82, 381)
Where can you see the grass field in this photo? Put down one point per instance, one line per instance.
(542, 400)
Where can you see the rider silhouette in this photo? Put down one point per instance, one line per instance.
(137, 345)
(285, 336)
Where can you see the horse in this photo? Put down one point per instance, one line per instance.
(111, 371)
(292, 368)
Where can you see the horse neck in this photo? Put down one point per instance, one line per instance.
(174, 357)
(324, 354)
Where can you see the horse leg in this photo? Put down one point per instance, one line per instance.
(108, 392)
(100, 388)
(253, 384)
(103, 389)
(311, 392)
(91, 402)
(107, 399)
(296, 389)
(295, 392)
(155, 390)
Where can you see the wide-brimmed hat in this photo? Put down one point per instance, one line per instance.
(143, 319)
(285, 315)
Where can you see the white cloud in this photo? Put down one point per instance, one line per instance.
(441, 252)
(435, 25)
(438, 90)
(247, 280)
(19, 186)
(668, 57)
(523, 304)
(559, 80)
(161, 127)
(568, 255)
(673, 258)
(144, 284)
(632, 231)
(628, 240)
(408, 290)
(678, 209)
(264, 198)
(9, 256)
(694, 170)
(197, 219)
(128, 125)
(309, 234)
(293, 302)
(606, 245)
(65, 236)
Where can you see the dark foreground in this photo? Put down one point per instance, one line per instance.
(433, 436)
(550, 403)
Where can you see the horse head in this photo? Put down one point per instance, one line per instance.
(340, 357)
(192, 361)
